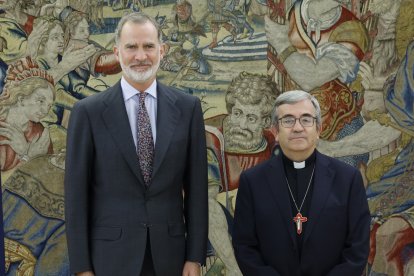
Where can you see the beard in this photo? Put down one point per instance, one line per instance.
(140, 77)
(236, 138)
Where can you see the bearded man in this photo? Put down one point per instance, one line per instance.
(244, 137)
(136, 169)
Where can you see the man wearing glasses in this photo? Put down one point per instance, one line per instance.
(301, 212)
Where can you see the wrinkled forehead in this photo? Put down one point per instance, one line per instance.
(249, 108)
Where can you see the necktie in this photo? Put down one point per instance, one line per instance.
(145, 147)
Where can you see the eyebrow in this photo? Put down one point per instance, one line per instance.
(304, 114)
(130, 44)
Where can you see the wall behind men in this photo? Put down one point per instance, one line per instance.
(214, 42)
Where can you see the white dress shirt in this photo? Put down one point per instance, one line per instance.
(130, 95)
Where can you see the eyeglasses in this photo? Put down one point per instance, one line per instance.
(290, 121)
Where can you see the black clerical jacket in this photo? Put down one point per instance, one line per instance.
(336, 237)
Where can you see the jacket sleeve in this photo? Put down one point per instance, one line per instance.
(356, 248)
(79, 163)
(195, 190)
(245, 243)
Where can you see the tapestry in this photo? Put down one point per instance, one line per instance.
(355, 56)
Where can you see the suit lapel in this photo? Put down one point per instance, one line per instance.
(321, 189)
(116, 120)
(281, 193)
(167, 119)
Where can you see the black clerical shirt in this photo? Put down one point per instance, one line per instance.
(298, 179)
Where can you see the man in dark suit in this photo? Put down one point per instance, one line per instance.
(301, 212)
(132, 208)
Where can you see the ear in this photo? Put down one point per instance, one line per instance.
(116, 52)
(275, 132)
(267, 122)
(319, 130)
(162, 50)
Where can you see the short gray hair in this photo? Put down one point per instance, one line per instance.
(292, 97)
(137, 18)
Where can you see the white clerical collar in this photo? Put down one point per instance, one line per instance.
(299, 165)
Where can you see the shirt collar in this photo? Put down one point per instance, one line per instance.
(128, 91)
(299, 165)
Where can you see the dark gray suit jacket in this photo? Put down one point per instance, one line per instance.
(108, 208)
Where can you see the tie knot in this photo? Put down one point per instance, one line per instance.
(141, 96)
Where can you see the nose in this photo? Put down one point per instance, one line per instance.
(297, 126)
(243, 122)
(140, 55)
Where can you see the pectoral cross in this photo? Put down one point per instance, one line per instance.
(299, 220)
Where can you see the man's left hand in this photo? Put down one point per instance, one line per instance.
(191, 269)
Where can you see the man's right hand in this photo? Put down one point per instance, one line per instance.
(86, 273)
